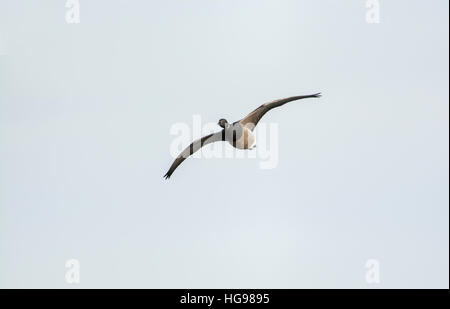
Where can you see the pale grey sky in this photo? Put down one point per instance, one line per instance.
(85, 117)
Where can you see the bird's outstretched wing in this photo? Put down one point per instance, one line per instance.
(196, 145)
(251, 120)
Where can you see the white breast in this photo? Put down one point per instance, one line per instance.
(246, 141)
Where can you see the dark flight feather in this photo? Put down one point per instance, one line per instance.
(252, 119)
(192, 148)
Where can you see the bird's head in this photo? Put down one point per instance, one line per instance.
(223, 123)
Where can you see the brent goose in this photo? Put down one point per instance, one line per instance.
(239, 134)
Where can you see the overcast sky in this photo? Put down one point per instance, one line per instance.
(85, 117)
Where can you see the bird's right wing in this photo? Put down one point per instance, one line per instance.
(196, 145)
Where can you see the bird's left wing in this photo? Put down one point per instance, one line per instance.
(196, 145)
(251, 120)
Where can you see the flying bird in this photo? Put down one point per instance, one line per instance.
(239, 134)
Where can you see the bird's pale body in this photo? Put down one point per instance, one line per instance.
(240, 137)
